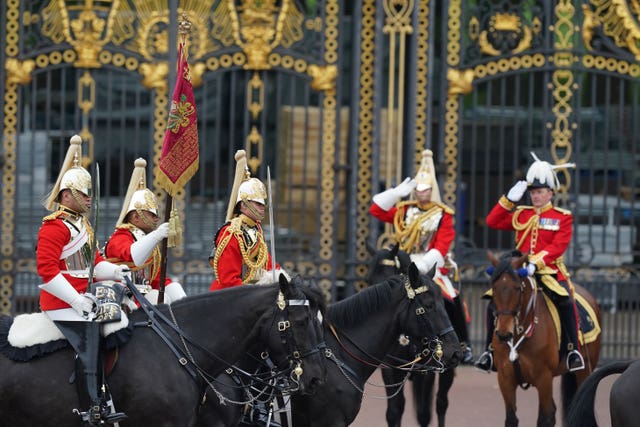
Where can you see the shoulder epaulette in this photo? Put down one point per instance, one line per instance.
(562, 210)
(125, 226)
(446, 208)
(52, 216)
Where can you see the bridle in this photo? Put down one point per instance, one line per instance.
(431, 346)
(295, 355)
(523, 314)
(159, 322)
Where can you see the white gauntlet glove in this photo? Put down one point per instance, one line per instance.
(60, 287)
(426, 261)
(390, 197)
(106, 270)
(141, 249)
(85, 305)
(531, 269)
(517, 191)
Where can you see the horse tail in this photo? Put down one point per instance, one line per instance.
(581, 409)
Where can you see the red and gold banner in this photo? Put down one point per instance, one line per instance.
(180, 154)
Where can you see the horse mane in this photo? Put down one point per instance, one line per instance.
(504, 266)
(356, 308)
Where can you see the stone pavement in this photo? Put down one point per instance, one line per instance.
(475, 400)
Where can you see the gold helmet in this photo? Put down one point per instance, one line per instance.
(426, 176)
(72, 176)
(252, 189)
(542, 174)
(244, 188)
(138, 197)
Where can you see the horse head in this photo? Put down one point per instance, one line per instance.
(295, 334)
(509, 283)
(385, 263)
(440, 345)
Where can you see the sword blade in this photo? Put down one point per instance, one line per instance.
(95, 201)
(272, 226)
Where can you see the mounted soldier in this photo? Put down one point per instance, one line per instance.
(68, 262)
(135, 241)
(423, 228)
(543, 231)
(240, 255)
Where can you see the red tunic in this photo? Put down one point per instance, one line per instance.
(230, 263)
(118, 251)
(52, 238)
(442, 238)
(546, 238)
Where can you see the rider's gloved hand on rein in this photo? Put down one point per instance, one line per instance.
(531, 269)
(85, 305)
(517, 191)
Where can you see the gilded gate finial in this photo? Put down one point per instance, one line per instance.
(19, 72)
(460, 81)
(257, 28)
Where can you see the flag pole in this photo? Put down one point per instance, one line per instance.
(184, 27)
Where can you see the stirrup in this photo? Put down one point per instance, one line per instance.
(98, 416)
(575, 362)
(485, 362)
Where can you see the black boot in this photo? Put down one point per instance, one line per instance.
(485, 361)
(575, 362)
(457, 315)
(84, 337)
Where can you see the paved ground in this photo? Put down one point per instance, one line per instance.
(475, 401)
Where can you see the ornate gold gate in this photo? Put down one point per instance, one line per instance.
(338, 99)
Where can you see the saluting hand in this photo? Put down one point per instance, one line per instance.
(517, 191)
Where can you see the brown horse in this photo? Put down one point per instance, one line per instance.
(525, 342)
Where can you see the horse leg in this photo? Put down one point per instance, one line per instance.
(423, 397)
(395, 397)
(445, 381)
(508, 389)
(546, 405)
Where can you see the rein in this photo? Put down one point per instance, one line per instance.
(426, 353)
(185, 357)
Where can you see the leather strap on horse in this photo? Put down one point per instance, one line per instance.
(380, 363)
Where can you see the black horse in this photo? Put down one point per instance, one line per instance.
(153, 385)
(359, 332)
(385, 263)
(361, 329)
(623, 399)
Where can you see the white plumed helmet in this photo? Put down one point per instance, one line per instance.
(138, 197)
(542, 174)
(72, 175)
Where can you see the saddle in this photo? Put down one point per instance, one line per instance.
(589, 325)
(29, 336)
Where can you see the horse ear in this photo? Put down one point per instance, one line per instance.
(284, 283)
(394, 249)
(492, 258)
(414, 275)
(519, 262)
(432, 272)
(404, 259)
